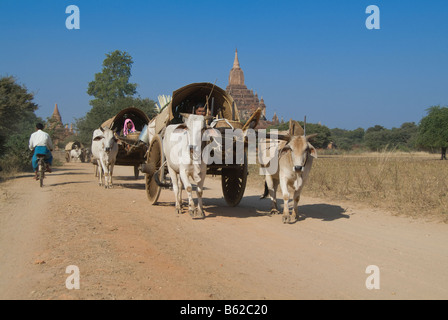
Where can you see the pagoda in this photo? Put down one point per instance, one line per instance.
(56, 128)
(245, 99)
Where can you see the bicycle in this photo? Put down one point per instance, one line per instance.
(41, 168)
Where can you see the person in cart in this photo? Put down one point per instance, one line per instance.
(128, 127)
(200, 109)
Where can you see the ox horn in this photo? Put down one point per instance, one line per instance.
(304, 126)
(185, 115)
(311, 136)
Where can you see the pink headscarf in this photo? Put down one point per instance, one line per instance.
(125, 128)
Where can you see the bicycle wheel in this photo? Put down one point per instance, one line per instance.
(41, 172)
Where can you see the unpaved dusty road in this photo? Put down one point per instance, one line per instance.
(126, 249)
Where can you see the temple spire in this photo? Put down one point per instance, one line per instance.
(246, 101)
(236, 76)
(56, 115)
(236, 63)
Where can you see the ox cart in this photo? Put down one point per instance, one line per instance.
(132, 148)
(222, 108)
(75, 145)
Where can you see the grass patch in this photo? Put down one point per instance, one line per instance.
(14, 165)
(412, 184)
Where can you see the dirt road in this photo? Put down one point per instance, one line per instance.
(126, 249)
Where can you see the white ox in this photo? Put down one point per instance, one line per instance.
(75, 154)
(105, 150)
(182, 146)
(294, 165)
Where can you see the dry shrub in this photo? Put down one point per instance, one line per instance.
(411, 184)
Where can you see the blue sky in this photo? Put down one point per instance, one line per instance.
(313, 58)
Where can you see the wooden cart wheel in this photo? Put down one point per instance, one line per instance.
(155, 159)
(233, 181)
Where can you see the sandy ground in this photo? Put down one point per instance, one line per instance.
(125, 248)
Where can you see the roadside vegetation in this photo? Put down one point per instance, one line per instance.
(411, 184)
(17, 122)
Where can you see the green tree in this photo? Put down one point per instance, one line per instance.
(323, 137)
(376, 138)
(320, 141)
(111, 92)
(433, 129)
(17, 122)
(113, 81)
(16, 105)
(348, 139)
(402, 138)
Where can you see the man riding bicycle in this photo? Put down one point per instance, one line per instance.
(41, 142)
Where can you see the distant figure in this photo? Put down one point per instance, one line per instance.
(75, 154)
(40, 142)
(128, 127)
